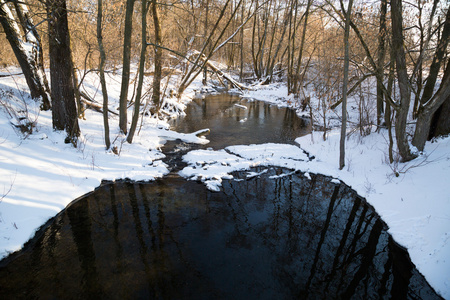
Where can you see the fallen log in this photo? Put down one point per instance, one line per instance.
(202, 132)
(227, 77)
(91, 104)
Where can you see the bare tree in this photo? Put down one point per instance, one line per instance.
(430, 103)
(403, 82)
(380, 63)
(64, 110)
(27, 49)
(199, 59)
(158, 57)
(102, 72)
(137, 102)
(296, 74)
(126, 66)
(345, 83)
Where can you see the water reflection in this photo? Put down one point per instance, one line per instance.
(266, 238)
(233, 121)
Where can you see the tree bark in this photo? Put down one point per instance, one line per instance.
(30, 58)
(381, 56)
(64, 112)
(295, 88)
(137, 101)
(429, 103)
(438, 59)
(426, 111)
(102, 72)
(440, 123)
(123, 98)
(156, 95)
(345, 83)
(403, 82)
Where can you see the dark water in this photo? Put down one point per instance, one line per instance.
(268, 238)
(231, 124)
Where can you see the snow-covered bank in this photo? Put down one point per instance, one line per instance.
(40, 175)
(415, 205)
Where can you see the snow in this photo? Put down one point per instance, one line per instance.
(40, 175)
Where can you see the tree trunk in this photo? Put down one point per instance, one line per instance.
(196, 67)
(440, 123)
(429, 103)
(295, 88)
(64, 112)
(123, 102)
(30, 58)
(403, 82)
(438, 59)
(345, 83)
(381, 56)
(241, 49)
(426, 111)
(158, 58)
(137, 101)
(102, 72)
(388, 113)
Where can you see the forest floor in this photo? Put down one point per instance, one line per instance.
(40, 174)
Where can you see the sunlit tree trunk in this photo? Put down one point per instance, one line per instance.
(291, 44)
(345, 83)
(158, 57)
(27, 50)
(64, 110)
(241, 49)
(137, 101)
(295, 88)
(102, 72)
(212, 43)
(126, 66)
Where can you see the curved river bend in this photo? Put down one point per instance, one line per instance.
(277, 236)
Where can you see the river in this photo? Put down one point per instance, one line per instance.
(281, 235)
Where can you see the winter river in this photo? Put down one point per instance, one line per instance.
(278, 235)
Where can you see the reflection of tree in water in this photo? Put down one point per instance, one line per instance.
(286, 237)
(327, 242)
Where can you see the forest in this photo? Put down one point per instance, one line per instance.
(90, 90)
(327, 50)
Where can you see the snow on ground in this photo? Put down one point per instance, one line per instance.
(40, 175)
(415, 205)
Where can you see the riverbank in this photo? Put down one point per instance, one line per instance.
(40, 175)
(415, 205)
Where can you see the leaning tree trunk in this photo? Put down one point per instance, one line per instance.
(430, 104)
(30, 58)
(64, 112)
(427, 110)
